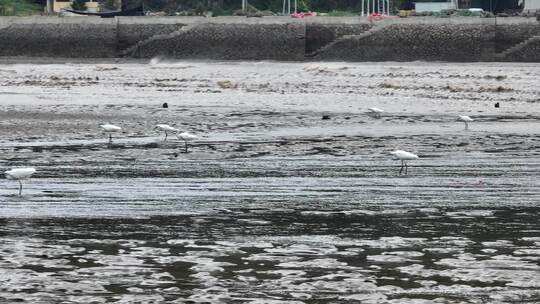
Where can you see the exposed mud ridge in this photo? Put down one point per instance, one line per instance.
(272, 204)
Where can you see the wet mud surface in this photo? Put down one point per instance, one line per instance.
(272, 204)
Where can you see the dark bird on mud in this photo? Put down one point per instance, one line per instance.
(497, 105)
(404, 156)
(108, 128)
(20, 174)
(165, 105)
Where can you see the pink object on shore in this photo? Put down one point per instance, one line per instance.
(301, 15)
(377, 17)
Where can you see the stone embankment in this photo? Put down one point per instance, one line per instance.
(274, 38)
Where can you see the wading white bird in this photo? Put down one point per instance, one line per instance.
(404, 156)
(20, 174)
(466, 119)
(166, 128)
(185, 136)
(375, 112)
(108, 128)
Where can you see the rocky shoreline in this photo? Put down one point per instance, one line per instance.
(458, 39)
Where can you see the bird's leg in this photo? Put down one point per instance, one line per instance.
(401, 167)
(185, 141)
(405, 167)
(466, 126)
(165, 139)
(20, 188)
(110, 138)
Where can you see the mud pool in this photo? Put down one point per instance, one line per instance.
(272, 204)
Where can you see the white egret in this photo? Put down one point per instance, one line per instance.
(185, 136)
(19, 174)
(166, 128)
(404, 156)
(466, 119)
(375, 112)
(108, 128)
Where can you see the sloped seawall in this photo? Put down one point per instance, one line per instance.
(273, 38)
(57, 37)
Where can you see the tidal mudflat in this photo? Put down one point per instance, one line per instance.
(273, 204)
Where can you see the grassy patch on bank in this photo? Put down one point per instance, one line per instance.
(18, 8)
(336, 13)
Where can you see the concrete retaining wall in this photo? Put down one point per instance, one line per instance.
(409, 42)
(130, 33)
(318, 35)
(275, 38)
(231, 41)
(509, 34)
(531, 53)
(58, 37)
